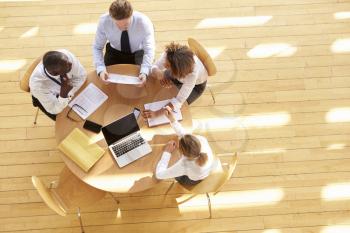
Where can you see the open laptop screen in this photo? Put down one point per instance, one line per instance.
(120, 128)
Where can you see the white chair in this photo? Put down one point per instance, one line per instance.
(213, 183)
(70, 192)
(24, 81)
(205, 58)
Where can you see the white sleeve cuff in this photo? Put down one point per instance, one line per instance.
(144, 69)
(63, 101)
(100, 69)
(177, 105)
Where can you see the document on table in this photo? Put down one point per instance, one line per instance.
(123, 79)
(159, 120)
(88, 101)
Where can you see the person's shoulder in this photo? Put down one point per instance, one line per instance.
(142, 18)
(37, 77)
(65, 51)
(68, 53)
(104, 18)
(197, 61)
(201, 138)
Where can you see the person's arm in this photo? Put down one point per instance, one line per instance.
(52, 103)
(185, 90)
(177, 127)
(162, 170)
(157, 68)
(79, 74)
(148, 45)
(99, 43)
(160, 62)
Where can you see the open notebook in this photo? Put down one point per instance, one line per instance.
(88, 101)
(160, 120)
(77, 147)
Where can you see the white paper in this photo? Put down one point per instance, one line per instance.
(123, 79)
(89, 99)
(159, 120)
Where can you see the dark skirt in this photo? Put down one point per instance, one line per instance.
(196, 92)
(184, 180)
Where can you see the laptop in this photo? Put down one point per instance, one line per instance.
(124, 140)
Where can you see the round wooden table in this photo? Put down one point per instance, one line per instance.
(106, 174)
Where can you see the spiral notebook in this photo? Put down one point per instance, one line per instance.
(160, 120)
(88, 101)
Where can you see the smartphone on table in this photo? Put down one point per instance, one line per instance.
(92, 126)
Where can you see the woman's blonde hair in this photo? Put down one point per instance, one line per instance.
(191, 148)
(180, 58)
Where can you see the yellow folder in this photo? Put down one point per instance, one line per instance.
(77, 147)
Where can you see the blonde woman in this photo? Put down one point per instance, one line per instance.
(196, 160)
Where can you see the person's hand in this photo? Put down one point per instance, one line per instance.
(104, 76)
(170, 146)
(164, 82)
(142, 78)
(151, 114)
(65, 86)
(169, 114)
(156, 73)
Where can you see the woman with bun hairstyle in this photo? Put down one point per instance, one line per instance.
(196, 160)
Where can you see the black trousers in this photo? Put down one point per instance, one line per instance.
(36, 103)
(185, 180)
(114, 56)
(196, 92)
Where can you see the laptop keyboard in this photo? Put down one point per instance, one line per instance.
(129, 144)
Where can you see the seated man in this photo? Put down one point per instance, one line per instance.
(130, 37)
(55, 80)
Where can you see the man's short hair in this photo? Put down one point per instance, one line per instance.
(54, 59)
(120, 9)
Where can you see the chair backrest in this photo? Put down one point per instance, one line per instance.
(70, 192)
(48, 197)
(24, 81)
(203, 55)
(228, 172)
(216, 179)
(74, 192)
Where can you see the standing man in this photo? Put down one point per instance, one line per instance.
(130, 37)
(55, 80)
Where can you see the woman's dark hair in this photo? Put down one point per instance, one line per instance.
(120, 9)
(190, 147)
(180, 58)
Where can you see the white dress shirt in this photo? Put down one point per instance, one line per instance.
(48, 92)
(198, 76)
(185, 166)
(141, 36)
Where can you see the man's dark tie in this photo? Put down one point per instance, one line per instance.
(124, 42)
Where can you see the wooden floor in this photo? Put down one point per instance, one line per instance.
(282, 100)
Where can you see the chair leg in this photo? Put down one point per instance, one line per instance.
(172, 184)
(209, 204)
(36, 115)
(212, 95)
(80, 221)
(114, 199)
